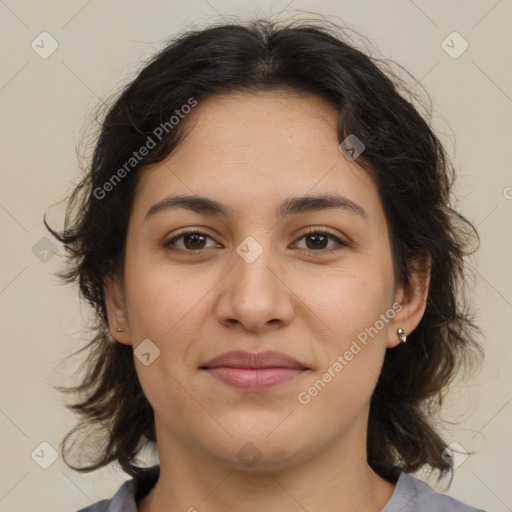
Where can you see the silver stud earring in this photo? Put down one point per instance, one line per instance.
(401, 335)
(119, 329)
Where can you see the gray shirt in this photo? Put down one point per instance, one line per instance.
(410, 495)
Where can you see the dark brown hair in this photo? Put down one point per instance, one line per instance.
(402, 155)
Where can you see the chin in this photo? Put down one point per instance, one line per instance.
(254, 451)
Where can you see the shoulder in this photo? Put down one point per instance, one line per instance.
(130, 492)
(122, 501)
(414, 495)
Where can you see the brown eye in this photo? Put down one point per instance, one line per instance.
(317, 241)
(191, 241)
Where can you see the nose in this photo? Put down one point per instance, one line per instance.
(255, 295)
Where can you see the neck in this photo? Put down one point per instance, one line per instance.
(337, 480)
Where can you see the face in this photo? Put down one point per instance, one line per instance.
(313, 282)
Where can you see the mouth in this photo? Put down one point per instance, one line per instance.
(254, 371)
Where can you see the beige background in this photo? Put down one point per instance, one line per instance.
(44, 104)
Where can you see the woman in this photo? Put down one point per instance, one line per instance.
(266, 236)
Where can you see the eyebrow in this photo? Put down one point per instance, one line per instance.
(290, 206)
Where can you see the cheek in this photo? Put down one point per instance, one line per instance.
(350, 300)
(334, 399)
(156, 296)
(352, 358)
(352, 307)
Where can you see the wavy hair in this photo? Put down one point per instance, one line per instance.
(402, 155)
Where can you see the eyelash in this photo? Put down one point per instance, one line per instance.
(311, 231)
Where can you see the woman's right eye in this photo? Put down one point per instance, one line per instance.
(191, 240)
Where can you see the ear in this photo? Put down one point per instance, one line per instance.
(411, 301)
(116, 311)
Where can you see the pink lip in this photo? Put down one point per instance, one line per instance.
(254, 371)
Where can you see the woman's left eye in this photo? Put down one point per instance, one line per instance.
(318, 238)
(193, 242)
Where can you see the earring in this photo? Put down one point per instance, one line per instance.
(119, 330)
(401, 335)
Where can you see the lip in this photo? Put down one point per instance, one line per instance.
(254, 371)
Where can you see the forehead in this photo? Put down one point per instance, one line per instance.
(283, 118)
(258, 148)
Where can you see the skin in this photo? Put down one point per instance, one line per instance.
(250, 152)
